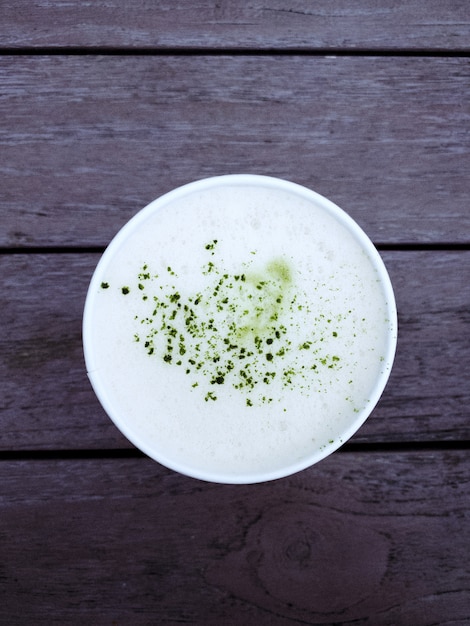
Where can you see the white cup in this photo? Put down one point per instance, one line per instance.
(303, 392)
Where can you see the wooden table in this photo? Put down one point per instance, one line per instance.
(103, 107)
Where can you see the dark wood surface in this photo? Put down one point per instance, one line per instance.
(209, 25)
(103, 107)
(362, 538)
(89, 140)
(47, 402)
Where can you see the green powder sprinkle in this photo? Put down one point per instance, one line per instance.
(236, 327)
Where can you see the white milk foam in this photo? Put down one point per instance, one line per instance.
(239, 329)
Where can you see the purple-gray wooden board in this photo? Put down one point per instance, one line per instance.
(367, 103)
(364, 538)
(87, 141)
(286, 24)
(46, 401)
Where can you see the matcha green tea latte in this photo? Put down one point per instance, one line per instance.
(239, 329)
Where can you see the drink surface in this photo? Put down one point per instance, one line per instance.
(238, 330)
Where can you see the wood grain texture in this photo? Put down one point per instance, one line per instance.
(88, 141)
(365, 538)
(91, 532)
(46, 401)
(206, 24)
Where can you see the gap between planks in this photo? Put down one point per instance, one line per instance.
(230, 51)
(394, 247)
(134, 453)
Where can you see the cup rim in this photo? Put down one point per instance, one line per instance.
(239, 180)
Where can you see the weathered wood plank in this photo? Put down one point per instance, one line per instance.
(428, 393)
(366, 538)
(46, 401)
(88, 141)
(287, 24)
(45, 395)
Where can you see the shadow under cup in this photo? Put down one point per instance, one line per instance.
(239, 329)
